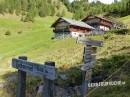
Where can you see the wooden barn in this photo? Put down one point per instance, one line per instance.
(64, 27)
(100, 24)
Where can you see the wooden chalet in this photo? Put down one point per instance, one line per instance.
(100, 24)
(64, 27)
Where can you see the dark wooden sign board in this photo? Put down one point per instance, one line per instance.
(47, 71)
(94, 43)
(35, 68)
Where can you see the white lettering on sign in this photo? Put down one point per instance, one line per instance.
(103, 84)
(35, 68)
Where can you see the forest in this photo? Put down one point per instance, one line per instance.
(28, 9)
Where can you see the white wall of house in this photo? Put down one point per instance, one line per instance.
(104, 28)
(78, 34)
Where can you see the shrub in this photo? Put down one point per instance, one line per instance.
(19, 32)
(8, 33)
(121, 31)
(74, 76)
(28, 19)
(107, 36)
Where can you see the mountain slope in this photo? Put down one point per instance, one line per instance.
(34, 40)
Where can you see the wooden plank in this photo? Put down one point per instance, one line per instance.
(94, 43)
(35, 68)
(86, 66)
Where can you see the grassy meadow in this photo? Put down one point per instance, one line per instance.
(31, 39)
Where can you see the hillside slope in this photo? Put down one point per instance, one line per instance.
(126, 20)
(34, 40)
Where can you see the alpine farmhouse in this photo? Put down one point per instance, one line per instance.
(64, 27)
(100, 24)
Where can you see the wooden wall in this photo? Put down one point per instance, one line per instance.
(79, 29)
(98, 21)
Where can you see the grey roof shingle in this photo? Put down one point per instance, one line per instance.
(78, 23)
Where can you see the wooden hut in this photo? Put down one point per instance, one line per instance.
(100, 24)
(64, 27)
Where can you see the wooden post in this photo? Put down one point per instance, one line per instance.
(85, 74)
(48, 90)
(21, 91)
(83, 91)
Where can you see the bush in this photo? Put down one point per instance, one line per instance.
(74, 76)
(107, 36)
(8, 33)
(19, 32)
(28, 19)
(121, 31)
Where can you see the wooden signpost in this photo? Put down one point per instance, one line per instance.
(89, 58)
(47, 71)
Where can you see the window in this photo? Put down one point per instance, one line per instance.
(80, 35)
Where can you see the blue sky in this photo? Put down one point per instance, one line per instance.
(104, 1)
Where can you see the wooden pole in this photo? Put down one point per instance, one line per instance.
(83, 91)
(48, 90)
(21, 91)
(85, 74)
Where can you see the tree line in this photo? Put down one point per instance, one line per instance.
(28, 9)
(82, 8)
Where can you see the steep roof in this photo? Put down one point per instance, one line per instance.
(97, 17)
(74, 23)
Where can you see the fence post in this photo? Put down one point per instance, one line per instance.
(21, 91)
(48, 90)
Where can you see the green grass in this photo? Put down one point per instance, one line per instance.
(126, 20)
(34, 41)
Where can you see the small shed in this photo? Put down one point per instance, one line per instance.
(64, 27)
